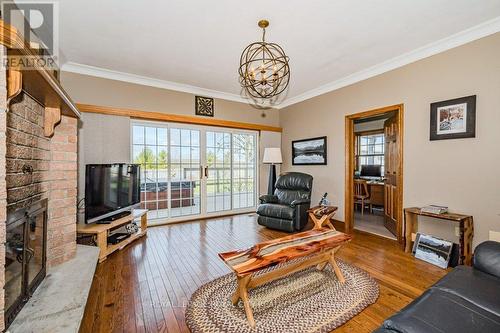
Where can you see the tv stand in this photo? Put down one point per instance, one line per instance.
(110, 219)
(101, 232)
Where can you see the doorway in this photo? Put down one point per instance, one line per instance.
(374, 172)
(190, 171)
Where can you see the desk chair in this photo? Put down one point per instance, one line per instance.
(361, 195)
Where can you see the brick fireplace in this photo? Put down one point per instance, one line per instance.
(34, 167)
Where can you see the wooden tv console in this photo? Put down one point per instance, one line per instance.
(101, 231)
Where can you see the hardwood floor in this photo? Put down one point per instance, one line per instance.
(146, 286)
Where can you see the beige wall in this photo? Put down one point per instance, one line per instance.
(462, 174)
(92, 90)
(106, 139)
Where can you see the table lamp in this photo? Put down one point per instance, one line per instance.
(272, 156)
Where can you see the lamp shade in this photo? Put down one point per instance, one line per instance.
(272, 156)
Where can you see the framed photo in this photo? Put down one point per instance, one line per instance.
(309, 151)
(433, 250)
(204, 106)
(453, 119)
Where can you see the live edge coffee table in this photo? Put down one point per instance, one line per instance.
(319, 244)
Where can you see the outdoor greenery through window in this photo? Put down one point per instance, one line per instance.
(370, 150)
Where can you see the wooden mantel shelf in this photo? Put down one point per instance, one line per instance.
(40, 83)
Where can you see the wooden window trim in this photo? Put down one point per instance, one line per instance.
(176, 118)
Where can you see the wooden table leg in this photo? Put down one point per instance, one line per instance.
(325, 219)
(102, 243)
(236, 296)
(336, 268)
(144, 223)
(466, 233)
(410, 227)
(322, 265)
(329, 224)
(242, 292)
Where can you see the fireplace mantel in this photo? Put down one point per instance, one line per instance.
(41, 83)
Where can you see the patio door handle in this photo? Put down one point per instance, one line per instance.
(206, 172)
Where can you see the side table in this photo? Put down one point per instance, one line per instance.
(321, 216)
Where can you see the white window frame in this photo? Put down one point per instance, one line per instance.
(203, 200)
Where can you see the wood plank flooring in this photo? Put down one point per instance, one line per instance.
(146, 286)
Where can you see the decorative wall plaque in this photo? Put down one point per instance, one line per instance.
(204, 106)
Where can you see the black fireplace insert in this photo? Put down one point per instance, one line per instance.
(25, 256)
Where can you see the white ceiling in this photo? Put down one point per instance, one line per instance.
(195, 45)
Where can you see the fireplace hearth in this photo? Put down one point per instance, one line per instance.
(25, 255)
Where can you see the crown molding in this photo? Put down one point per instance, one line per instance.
(104, 73)
(466, 36)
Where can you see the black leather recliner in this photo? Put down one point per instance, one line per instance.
(287, 209)
(466, 300)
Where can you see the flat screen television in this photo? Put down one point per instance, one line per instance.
(110, 189)
(371, 171)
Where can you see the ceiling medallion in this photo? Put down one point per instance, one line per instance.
(264, 70)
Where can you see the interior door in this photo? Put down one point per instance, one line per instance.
(391, 200)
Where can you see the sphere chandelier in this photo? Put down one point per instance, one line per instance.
(264, 70)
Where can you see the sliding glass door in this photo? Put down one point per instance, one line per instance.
(194, 170)
(185, 178)
(243, 170)
(218, 171)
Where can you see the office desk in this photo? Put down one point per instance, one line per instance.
(376, 190)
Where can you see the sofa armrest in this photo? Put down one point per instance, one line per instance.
(298, 202)
(267, 198)
(301, 206)
(487, 258)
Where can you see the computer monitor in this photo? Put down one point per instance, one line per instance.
(371, 171)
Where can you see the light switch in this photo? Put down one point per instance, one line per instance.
(495, 236)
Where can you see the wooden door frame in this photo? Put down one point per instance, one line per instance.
(350, 161)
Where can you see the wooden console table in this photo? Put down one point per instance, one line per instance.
(466, 231)
(321, 243)
(101, 232)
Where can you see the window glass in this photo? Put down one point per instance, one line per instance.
(370, 150)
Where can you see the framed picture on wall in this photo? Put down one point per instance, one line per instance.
(309, 151)
(453, 119)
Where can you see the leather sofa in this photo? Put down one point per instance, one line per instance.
(286, 210)
(466, 300)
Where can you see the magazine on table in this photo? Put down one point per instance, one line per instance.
(434, 209)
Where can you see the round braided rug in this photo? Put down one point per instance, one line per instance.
(306, 301)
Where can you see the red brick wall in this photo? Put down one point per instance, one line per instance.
(61, 232)
(26, 146)
(54, 161)
(3, 187)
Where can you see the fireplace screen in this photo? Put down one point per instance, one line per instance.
(25, 255)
